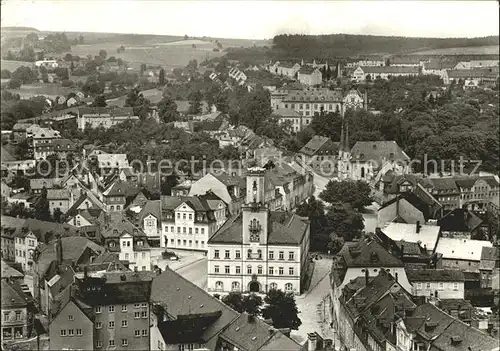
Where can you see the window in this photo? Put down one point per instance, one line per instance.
(79, 332)
(290, 270)
(455, 286)
(144, 314)
(259, 270)
(259, 253)
(190, 230)
(271, 255)
(71, 318)
(249, 269)
(178, 229)
(280, 271)
(249, 253)
(202, 230)
(184, 230)
(144, 305)
(419, 285)
(137, 333)
(288, 287)
(190, 216)
(137, 315)
(135, 255)
(144, 332)
(111, 308)
(124, 324)
(126, 256)
(226, 254)
(216, 254)
(219, 285)
(196, 230)
(98, 325)
(441, 286)
(111, 343)
(98, 343)
(143, 255)
(238, 269)
(273, 286)
(63, 332)
(226, 269)
(281, 255)
(98, 309)
(216, 269)
(71, 332)
(427, 286)
(137, 305)
(111, 325)
(237, 254)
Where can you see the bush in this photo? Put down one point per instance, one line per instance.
(15, 83)
(67, 83)
(6, 74)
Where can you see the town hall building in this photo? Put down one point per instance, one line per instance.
(258, 250)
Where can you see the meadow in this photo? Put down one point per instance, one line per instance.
(470, 50)
(13, 65)
(47, 89)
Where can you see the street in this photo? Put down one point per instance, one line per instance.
(312, 306)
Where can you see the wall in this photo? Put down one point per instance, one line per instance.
(15, 324)
(79, 321)
(462, 265)
(445, 290)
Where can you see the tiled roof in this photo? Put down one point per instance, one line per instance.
(182, 297)
(5, 155)
(123, 111)
(435, 275)
(439, 65)
(319, 143)
(461, 249)
(12, 297)
(428, 234)
(88, 195)
(390, 70)
(118, 188)
(444, 183)
(253, 334)
(112, 160)
(39, 183)
(307, 70)
(377, 151)
(405, 60)
(313, 95)
(120, 225)
(151, 207)
(458, 336)
(428, 321)
(39, 228)
(58, 194)
(9, 272)
(285, 228)
(46, 133)
(21, 126)
(412, 199)
(459, 220)
(287, 112)
(368, 252)
(471, 73)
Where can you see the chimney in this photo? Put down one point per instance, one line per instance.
(271, 331)
(85, 272)
(251, 318)
(402, 250)
(367, 276)
(312, 341)
(396, 276)
(418, 227)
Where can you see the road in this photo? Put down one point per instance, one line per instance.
(195, 272)
(314, 306)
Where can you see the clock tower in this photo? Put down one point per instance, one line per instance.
(255, 210)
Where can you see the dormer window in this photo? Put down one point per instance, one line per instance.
(140, 243)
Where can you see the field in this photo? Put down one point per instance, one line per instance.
(49, 90)
(165, 54)
(472, 50)
(13, 65)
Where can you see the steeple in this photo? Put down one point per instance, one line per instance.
(341, 146)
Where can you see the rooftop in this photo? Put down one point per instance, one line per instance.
(378, 152)
(319, 144)
(427, 235)
(368, 252)
(285, 228)
(461, 249)
(436, 275)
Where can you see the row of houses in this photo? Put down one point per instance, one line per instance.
(309, 74)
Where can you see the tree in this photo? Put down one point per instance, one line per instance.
(62, 73)
(103, 53)
(195, 102)
(343, 222)
(170, 181)
(25, 74)
(315, 211)
(161, 77)
(250, 304)
(58, 215)
(355, 193)
(282, 309)
(100, 101)
(15, 83)
(186, 37)
(6, 74)
(192, 65)
(167, 110)
(143, 68)
(80, 39)
(68, 57)
(42, 210)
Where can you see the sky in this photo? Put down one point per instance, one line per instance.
(257, 19)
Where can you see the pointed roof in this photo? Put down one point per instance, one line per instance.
(12, 296)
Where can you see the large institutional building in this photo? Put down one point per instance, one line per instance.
(258, 250)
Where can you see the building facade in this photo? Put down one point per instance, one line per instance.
(250, 253)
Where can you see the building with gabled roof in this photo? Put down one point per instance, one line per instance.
(489, 268)
(73, 327)
(406, 207)
(320, 153)
(309, 76)
(364, 73)
(16, 314)
(460, 253)
(426, 235)
(437, 283)
(243, 252)
(105, 117)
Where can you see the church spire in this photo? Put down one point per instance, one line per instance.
(346, 141)
(341, 146)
